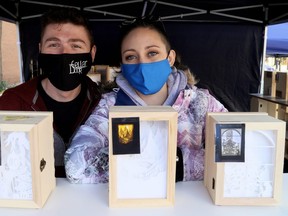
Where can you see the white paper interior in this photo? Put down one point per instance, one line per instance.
(144, 175)
(15, 169)
(254, 177)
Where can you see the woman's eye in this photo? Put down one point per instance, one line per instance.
(130, 57)
(151, 54)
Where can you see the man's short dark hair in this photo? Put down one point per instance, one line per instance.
(66, 15)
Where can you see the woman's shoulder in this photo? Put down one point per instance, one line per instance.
(196, 91)
(201, 93)
(214, 105)
(202, 98)
(108, 98)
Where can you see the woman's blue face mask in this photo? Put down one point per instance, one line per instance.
(147, 78)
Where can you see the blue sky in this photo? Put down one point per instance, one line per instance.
(279, 31)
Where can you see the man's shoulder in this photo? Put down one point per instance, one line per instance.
(24, 88)
(19, 97)
(90, 83)
(92, 87)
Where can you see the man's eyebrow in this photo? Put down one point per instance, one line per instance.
(70, 40)
(52, 39)
(77, 40)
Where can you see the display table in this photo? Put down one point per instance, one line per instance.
(191, 198)
(275, 107)
(271, 99)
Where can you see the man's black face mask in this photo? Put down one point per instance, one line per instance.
(65, 71)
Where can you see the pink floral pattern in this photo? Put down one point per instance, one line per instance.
(84, 161)
(192, 106)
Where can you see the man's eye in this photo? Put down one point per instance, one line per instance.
(76, 46)
(53, 45)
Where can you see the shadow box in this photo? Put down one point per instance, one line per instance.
(142, 156)
(269, 87)
(27, 174)
(244, 156)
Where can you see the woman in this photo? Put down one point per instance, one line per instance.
(148, 77)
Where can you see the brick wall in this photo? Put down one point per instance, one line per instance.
(9, 54)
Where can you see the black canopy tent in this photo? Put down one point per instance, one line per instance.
(258, 11)
(222, 41)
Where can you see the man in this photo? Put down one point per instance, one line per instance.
(67, 51)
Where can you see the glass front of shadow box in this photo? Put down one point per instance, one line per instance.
(142, 156)
(148, 168)
(254, 177)
(15, 166)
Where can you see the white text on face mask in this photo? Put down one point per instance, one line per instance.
(77, 67)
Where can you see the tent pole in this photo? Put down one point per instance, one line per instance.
(20, 59)
(144, 9)
(263, 60)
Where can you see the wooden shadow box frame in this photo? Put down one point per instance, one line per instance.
(27, 173)
(258, 179)
(143, 177)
